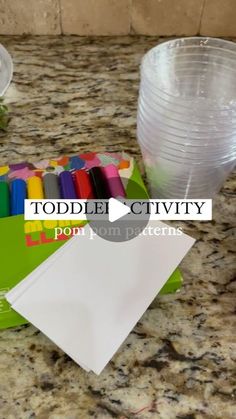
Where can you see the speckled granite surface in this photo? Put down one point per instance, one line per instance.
(72, 95)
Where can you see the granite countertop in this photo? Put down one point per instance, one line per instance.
(77, 94)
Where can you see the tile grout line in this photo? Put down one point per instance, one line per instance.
(130, 16)
(201, 15)
(60, 17)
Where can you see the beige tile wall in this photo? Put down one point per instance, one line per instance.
(166, 17)
(95, 17)
(30, 16)
(118, 17)
(219, 18)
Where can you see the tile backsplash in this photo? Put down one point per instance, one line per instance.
(118, 17)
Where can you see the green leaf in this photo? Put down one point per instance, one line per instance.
(4, 119)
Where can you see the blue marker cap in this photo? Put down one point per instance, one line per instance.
(18, 195)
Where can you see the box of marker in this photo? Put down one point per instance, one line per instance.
(24, 245)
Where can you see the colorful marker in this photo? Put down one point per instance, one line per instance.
(51, 186)
(4, 200)
(115, 184)
(67, 186)
(99, 182)
(18, 196)
(83, 185)
(35, 188)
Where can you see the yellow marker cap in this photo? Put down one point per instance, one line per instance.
(35, 188)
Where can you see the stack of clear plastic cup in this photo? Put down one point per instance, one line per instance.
(6, 70)
(186, 124)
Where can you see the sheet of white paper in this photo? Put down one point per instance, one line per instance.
(20, 288)
(90, 298)
(34, 275)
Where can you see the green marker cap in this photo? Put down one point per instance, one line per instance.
(4, 200)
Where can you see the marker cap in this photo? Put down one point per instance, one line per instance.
(83, 185)
(35, 188)
(51, 186)
(100, 185)
(4, 200)
(18, 196)
(115, 184)
(67, 186)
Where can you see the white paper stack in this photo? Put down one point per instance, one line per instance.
(89, 295)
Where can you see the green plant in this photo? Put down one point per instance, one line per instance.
(4, 118)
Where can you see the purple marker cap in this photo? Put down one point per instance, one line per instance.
(67, 186)
(115, 184)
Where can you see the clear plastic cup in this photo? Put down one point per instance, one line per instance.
(180, 151)
(195, 143)
(214, 123)
(186, 123)
(181, 180)
(6, 70)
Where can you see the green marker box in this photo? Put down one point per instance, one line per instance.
(24, 245)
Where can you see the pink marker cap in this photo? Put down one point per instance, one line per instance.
(114, 181)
